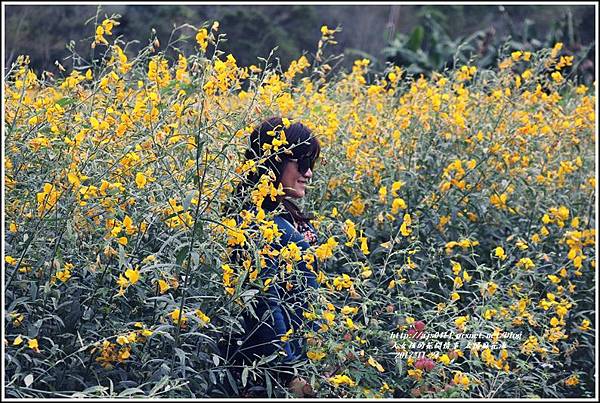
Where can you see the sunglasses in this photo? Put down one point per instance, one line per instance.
(304, 164)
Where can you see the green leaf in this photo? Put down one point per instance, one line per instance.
(188, 200)
(416, 38)
(245, 376)
(95, 389)
(131, 391)
(65, 101)
(181, 354)
(122, 257)
(181, 255)
(232, 382)
(268, 383)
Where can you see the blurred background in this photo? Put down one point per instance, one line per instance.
(421, 38)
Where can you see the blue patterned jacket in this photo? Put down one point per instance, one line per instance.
(278, 309)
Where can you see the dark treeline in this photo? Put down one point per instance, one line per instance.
(379, 32)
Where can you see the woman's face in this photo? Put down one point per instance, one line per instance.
(293, 181)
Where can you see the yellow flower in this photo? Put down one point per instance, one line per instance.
(287, 335)
(33, 344)
(465, 72)
(521, 245)
(499, 201)
(18, 340)
(499, 253)
(343, 281)
(99, 37)
(573, 380)
(202, 38)
(525, 263)
(342, 380)
(561, 311)
(556, 49)
(325, 251)
(574, 222)
(270, 231)
(357, 207)
(444, 220)
(63, 275)
(372, 362)
(325, 31)
(203, 317)
(404, 228)
(10, 260)
(555, 279)
(163, 286)
(95, 123)
(140, 180)
(315, 356)
(461, 379)
(489, 314)
(456, 267)
(585, 325)
(124, 354)
(346, 310)
(176, 316)
(122, 281)
(397, 205)
(236, 235)
(132, 275)
(309, 315)
(491, 287)
(363, 245)
(108, 24)
(350, 229)
(557, 77)
(461, 321)
(350, 324)
(415, 373)
(329, 316)
(396, 187)
(382, 194)
(122, 340)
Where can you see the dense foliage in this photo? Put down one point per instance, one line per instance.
(254, 30)
(458, 203)
(433, 44)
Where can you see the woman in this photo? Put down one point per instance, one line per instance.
(279, 312)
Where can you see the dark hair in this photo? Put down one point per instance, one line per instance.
(301, 144)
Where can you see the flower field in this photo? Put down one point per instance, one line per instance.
(446, 206)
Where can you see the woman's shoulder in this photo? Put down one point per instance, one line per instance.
(288, 230)
(284, 224)
(303, 233)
